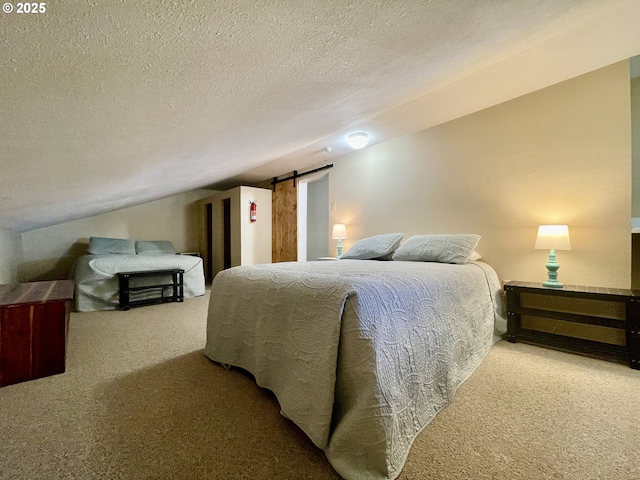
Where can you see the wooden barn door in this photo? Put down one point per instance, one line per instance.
(285, 222)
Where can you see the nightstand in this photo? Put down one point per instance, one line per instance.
(328, 258)
(594, 321)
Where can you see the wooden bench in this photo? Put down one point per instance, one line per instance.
(158, 284)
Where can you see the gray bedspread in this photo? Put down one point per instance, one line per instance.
(360, 354)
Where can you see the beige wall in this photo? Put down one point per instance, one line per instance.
(635, 144)
(11, 256)
(559, 155)
(50, 252)
(256, 236)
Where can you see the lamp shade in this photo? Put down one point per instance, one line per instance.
(553, 237)
(339, 230)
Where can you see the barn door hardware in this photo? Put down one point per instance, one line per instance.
(297, 175)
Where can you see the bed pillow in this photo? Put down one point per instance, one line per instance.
(452, 248)
(474, 256)
(157, 247)
(106, 246)
(377, 247)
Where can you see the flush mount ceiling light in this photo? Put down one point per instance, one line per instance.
(358, 140)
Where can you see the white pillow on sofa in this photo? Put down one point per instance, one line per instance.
(107, 246)
(374, 248)
(446, 248)
(157, 247)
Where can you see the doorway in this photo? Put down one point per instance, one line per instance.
(313, 218)
(209, 239)
(226, 235)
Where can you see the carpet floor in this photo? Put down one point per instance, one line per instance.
(139, 400)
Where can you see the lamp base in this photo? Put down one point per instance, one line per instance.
(552, 272)
(339, 248)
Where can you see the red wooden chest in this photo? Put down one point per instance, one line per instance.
(33, 329)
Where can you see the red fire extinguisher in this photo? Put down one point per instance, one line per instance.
(252, 211)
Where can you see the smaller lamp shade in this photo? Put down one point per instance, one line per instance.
(553, 237)
(339, 230)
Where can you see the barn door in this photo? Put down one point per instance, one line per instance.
(285, 222)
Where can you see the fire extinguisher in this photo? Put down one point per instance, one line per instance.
(252, 211)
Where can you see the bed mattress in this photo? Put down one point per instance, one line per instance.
(360, 354)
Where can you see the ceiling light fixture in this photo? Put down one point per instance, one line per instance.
(358, 140)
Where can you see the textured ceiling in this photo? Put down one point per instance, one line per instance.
(110, 104)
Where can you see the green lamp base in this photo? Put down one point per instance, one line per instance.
(552, 272)
(551, 284)
(339, 248)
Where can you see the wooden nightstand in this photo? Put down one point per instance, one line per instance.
(608, 312)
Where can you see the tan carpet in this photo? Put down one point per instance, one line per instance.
(140, 401)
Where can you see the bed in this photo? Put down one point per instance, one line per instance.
(95, 274)
(361, 354)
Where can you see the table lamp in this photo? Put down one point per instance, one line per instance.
(552, 238)
(339, 232)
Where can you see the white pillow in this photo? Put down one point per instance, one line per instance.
(474, 256)
(106, 246)
(157, 247)
(375, 247)
(450, 248)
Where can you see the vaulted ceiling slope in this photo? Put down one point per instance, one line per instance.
(110, 104)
